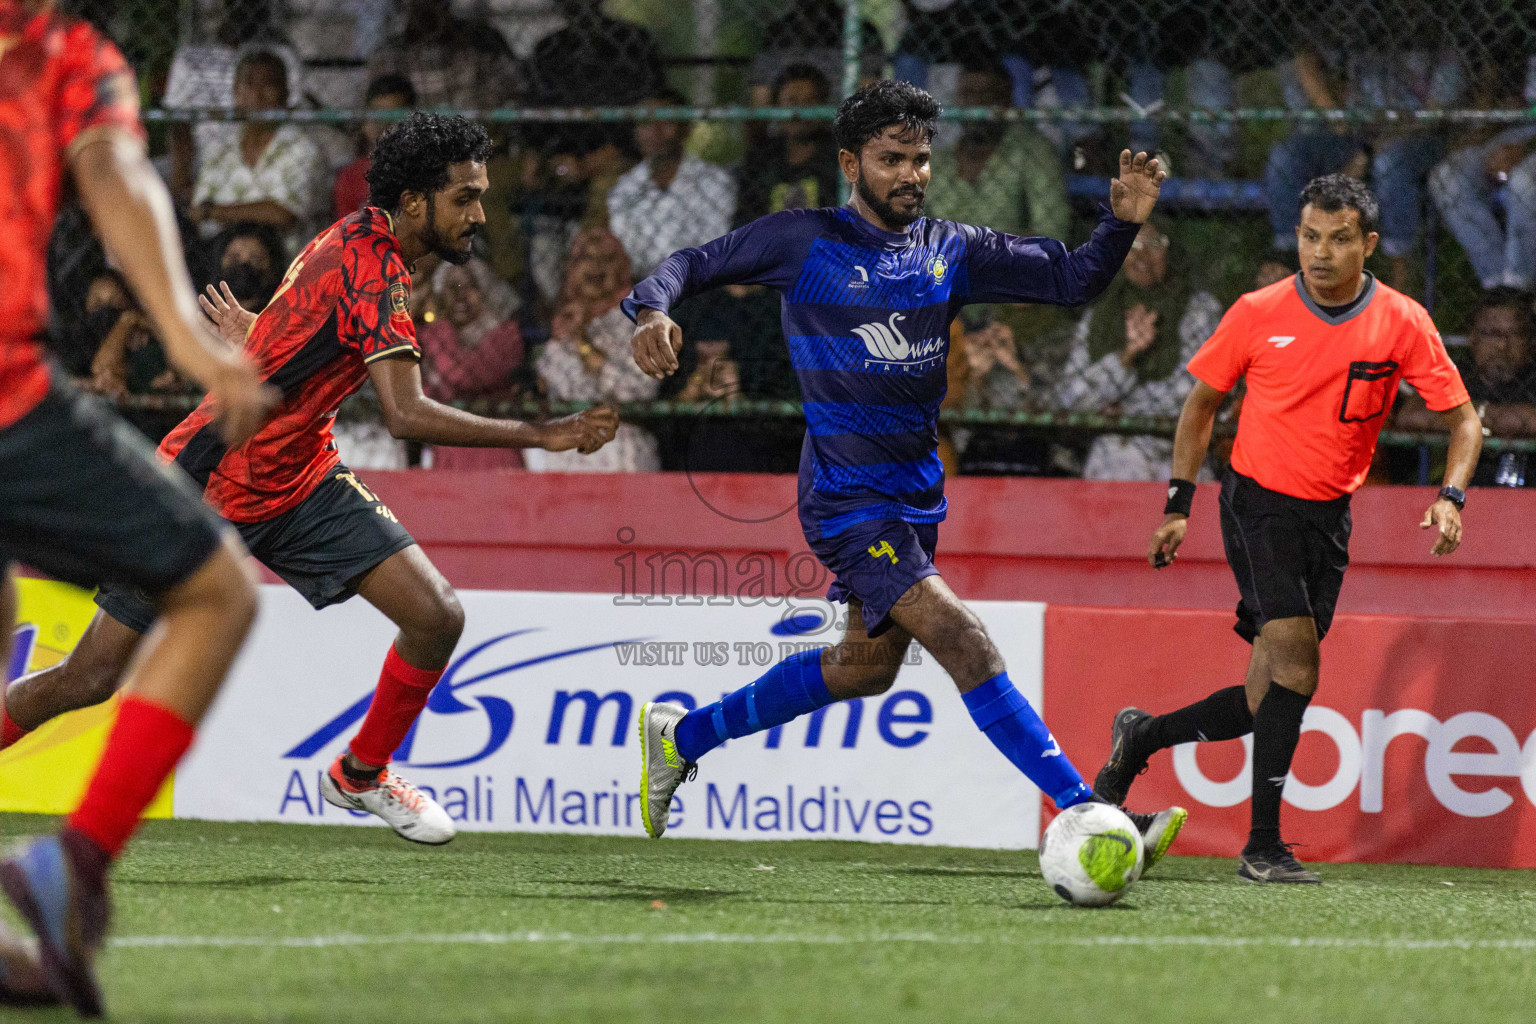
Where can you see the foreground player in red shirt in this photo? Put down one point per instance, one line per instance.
(81, 495)
(1323, 352)
(340, 319)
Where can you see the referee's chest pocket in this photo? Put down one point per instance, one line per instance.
(1368, 391)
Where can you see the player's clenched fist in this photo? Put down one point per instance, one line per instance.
(585, 431)
(656, 343)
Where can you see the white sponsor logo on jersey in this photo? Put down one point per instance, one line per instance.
(1282, 340)
(886, 344)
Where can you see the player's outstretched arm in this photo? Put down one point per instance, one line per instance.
(1460, 462)
(410, 415)
(132, 212)
(1190, 444)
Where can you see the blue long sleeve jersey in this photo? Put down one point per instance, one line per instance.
(866, 314)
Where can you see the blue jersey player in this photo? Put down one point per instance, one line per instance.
(869, 291)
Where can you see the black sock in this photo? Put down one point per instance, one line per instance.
(1223, 715)
(1276, 730)
(363, 777)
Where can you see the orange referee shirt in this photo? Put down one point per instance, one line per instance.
(1320, 386)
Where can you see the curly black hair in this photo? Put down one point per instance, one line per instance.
(414, 155)
(880, 105)
(1334, 192)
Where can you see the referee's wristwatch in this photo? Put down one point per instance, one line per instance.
(1455, 495)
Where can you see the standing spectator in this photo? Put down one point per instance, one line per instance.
(795, 168)
(266, 173)
(387, 92)
(1129, 353)
(671, 199)
(470, 348)
(1468, 187)
(451, 61)
(1498, 366)
(250, 261)
(1001, 176)
(589, 358)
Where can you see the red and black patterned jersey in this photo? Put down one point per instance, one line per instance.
(344, 302)
(61, 84)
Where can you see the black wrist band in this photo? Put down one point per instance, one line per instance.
(1181, 495)
(1455, 495)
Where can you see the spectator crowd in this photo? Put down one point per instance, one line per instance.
(579, 210)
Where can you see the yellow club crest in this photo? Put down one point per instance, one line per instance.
(938, 267)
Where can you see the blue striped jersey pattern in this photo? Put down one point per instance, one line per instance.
(866, 316)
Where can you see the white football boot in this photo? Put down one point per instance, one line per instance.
(662, 768)
(410, 812)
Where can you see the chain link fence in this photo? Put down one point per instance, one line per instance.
(628, 129)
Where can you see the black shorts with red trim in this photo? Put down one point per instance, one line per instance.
(1288, 554)
(84, 499)
(322, 547)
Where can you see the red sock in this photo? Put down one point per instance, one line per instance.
(142, 749)
(10, 732)
(401, 694)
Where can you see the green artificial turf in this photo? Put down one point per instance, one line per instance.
(560, 928)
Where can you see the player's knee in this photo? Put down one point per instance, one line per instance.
(445, 621)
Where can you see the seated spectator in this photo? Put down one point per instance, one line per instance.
(202, 77)
(594, 61)
(989, 373)
(671, 199)
(387, 92)
(1129, 353)
(811, 32)
(1045, 48)
(267, 173)
(1352, 65)
(1469, 187)
(1498, 366)
(795, 168)
(450, 61)
(733, 347)
(128, 358)
(998, 175)
(335, 40)
(747, 318)
(588, 357)
(251, 262)
(470, 348)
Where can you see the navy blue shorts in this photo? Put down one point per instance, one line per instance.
(876, 563)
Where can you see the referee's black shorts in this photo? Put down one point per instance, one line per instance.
(322, 547)
(1288, 554)
(84, 499)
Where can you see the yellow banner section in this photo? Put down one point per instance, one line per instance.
(46, 772)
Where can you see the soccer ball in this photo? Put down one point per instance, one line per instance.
(1091, 854)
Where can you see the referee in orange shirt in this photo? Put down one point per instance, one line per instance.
(1323, 352)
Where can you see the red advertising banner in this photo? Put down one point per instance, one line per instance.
(1420, 746)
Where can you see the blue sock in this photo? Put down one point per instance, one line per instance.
(1000, 711)
(791, 688)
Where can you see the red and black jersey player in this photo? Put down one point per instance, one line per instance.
(82, 496)
(340, 318)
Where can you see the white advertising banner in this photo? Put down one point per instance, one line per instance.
(533, 726)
